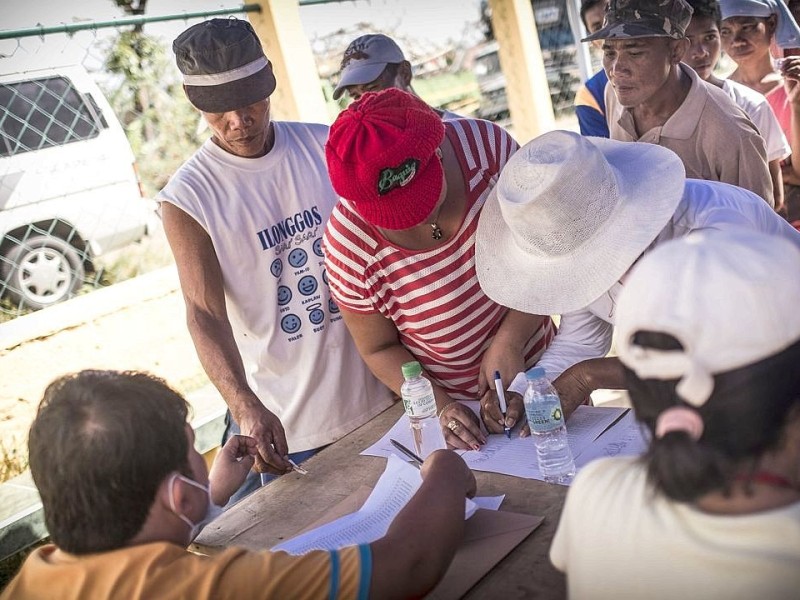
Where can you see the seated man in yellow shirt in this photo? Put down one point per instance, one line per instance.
(124, 492)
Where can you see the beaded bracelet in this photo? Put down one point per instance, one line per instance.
(445, 407)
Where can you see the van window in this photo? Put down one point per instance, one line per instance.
(41, 113)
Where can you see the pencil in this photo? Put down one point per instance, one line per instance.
(297, 468)
(415, 460)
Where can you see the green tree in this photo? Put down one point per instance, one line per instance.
(148, 99)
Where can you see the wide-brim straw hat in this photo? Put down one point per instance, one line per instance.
(569, 216)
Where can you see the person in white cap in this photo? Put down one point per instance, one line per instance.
(568, 218)
(244, 217)
(750, 32)
(703, 56)
(373, 63)
(709, 336)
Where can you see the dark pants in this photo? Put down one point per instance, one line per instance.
(255, 480)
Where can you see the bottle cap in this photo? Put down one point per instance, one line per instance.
(535, 373)
(411, 369)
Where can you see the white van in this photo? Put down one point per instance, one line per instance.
(68, 186)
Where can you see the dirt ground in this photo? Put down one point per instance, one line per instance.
(150, 336)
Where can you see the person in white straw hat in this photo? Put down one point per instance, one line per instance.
(568, 218)
(709, 336)
(244, 218)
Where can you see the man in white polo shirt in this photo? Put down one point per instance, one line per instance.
(569, 216)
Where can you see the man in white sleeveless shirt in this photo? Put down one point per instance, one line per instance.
(244, 217)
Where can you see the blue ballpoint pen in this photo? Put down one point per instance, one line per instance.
(498, 385)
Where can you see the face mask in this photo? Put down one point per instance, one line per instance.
(212, 510)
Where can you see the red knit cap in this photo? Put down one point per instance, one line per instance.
(381, 157)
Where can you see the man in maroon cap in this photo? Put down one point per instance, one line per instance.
(244, 217)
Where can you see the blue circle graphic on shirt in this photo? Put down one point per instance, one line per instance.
(325, 277)
(284, 295)
(332, 306)
(298, 257)
(317, 247)
(316, 316)
(307, 285)
(276, 268)
(290, 323)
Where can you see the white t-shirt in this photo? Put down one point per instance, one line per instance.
(587, 333)
(265, 217)
(617, 539)
(760, 112)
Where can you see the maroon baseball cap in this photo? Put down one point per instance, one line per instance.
(223, 65)
(381, 154)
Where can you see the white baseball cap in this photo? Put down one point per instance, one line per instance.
(731, 298)
(365, 59)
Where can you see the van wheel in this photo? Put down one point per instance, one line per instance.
(42, 271)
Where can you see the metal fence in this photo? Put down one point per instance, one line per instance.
(93, 123)
(80, 157)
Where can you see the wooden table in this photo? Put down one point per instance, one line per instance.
(288, 505)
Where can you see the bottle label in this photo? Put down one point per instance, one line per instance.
(544, 416)
(420, 406)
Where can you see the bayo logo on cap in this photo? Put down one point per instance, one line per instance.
(355, 51)
(399, 176)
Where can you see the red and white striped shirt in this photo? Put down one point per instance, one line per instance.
(433, 297)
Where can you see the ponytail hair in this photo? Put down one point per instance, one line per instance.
(743, 418)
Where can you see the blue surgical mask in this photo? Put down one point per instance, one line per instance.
(212, 510)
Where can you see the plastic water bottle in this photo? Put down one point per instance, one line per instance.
(420, 405)
(546, 420)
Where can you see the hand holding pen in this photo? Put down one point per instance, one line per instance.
(501, 410)
(501, 397)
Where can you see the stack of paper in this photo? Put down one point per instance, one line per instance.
(592, 432)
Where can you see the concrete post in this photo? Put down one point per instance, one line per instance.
(522, 64)
(579, 32)
(298, 96)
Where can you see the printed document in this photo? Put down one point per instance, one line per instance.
(394, 489)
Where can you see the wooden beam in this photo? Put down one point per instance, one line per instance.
(298, 96)
(523, 66)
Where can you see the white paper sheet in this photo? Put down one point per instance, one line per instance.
(515, 456)
(400, 431)
(627, 438)
(394, 489)
(489, 502)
